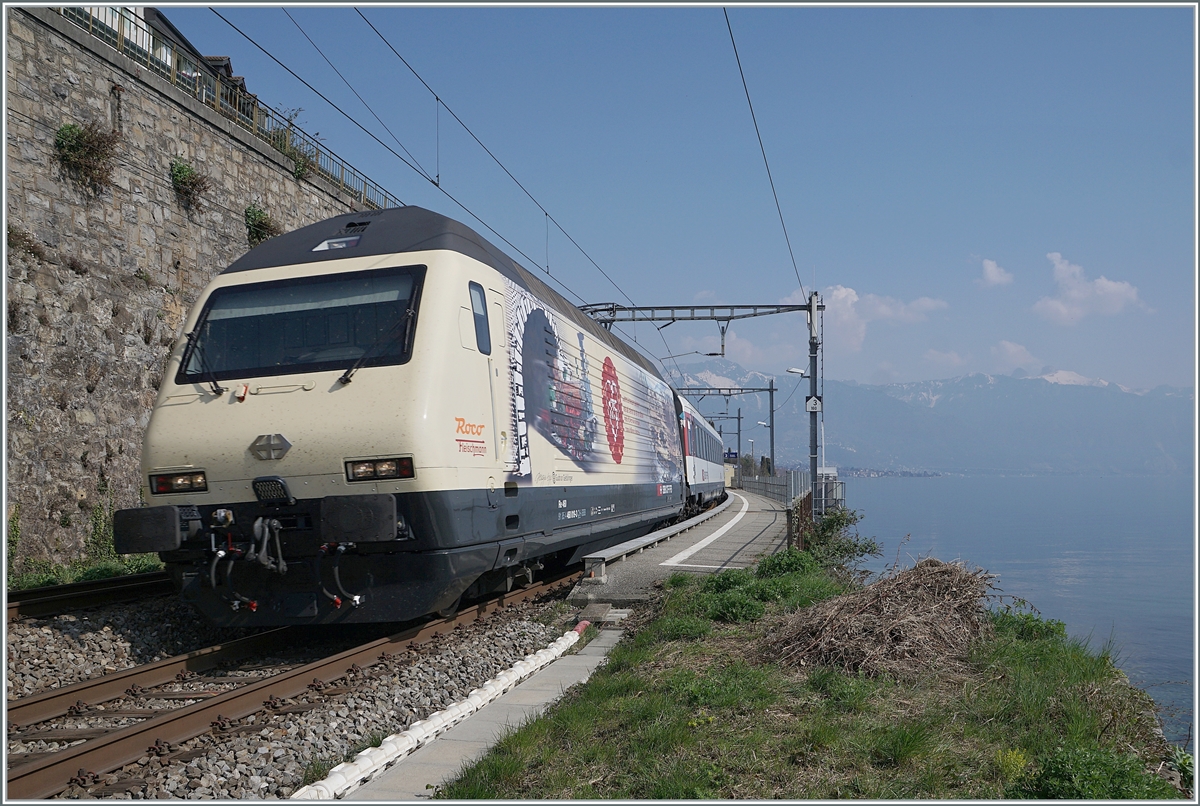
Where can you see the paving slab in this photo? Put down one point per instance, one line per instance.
(415, 776)
(753, 526)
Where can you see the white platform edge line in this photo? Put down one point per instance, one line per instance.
(683, 555)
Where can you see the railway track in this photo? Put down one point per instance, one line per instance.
(212, 703)
(55, 599)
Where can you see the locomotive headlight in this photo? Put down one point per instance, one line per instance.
(400, 468)
(178, 483)
(357, 471)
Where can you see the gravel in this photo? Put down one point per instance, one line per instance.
(53, 652)
(268, 755)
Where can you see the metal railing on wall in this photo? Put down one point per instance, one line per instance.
(121, 29)
(786, 487)
(831, 496)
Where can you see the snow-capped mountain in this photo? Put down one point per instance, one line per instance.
(1059, 422)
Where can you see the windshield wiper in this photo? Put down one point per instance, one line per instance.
(194, 347)
(387, 337)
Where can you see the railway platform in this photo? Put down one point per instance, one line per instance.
(749, 527)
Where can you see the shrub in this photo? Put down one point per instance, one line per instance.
(790, 561)
(1093, 774)
(771, 590)
(833, 541)
(87, 153)
(286, 142)
(259, 225)
(189, 183)
(1027, 626)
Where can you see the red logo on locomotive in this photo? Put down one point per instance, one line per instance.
(614, 413)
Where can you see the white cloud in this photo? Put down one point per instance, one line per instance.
(887, 309)
(707, 295)
(1009, 356)
(950, 360)
(847, 314)
(1079, 296)
(849, 328)
(994, 275)
(743, 351)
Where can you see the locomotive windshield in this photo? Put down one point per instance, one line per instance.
(305, 324)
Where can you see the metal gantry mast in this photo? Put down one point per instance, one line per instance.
(813, 403)
(609, 313)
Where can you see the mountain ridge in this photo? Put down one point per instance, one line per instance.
(1058, 422)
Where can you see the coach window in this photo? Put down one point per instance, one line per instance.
(483, 338)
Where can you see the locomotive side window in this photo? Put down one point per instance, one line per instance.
(305, 324)
(483, 337)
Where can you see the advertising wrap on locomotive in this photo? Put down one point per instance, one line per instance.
(370, 417)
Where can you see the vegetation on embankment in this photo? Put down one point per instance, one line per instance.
(98, 561)
(708, 698)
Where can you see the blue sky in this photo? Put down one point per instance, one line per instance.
(974, 189)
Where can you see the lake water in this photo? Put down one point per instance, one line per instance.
(1111, 557)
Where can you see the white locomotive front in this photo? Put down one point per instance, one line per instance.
(375, 414)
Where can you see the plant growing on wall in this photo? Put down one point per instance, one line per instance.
(301, 153)
(87, 154)
(23, 239)
(259, 225)
(189, 183)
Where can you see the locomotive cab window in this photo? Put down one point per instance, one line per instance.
(305, 324)
(483, 336)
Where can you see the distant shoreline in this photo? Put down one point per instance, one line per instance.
(870, 473)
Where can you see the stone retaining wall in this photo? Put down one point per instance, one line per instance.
(98, 285)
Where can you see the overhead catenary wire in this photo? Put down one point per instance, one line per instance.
(370, 134)
(763, 148)
(495, 159)
(549, 218)
(435, 182)
(359, 97)
(317, 92)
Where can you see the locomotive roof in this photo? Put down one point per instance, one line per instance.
(415, 229)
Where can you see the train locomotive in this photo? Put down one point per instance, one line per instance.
(370, 417)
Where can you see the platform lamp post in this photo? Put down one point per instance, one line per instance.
(772, 427)
(797, 371)
(813, 403)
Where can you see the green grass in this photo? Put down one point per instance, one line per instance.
(689, 707)
(41, 574)
(98, 559)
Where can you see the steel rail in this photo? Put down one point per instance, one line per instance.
(58, 702)
(47, 776)
(54, 599)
